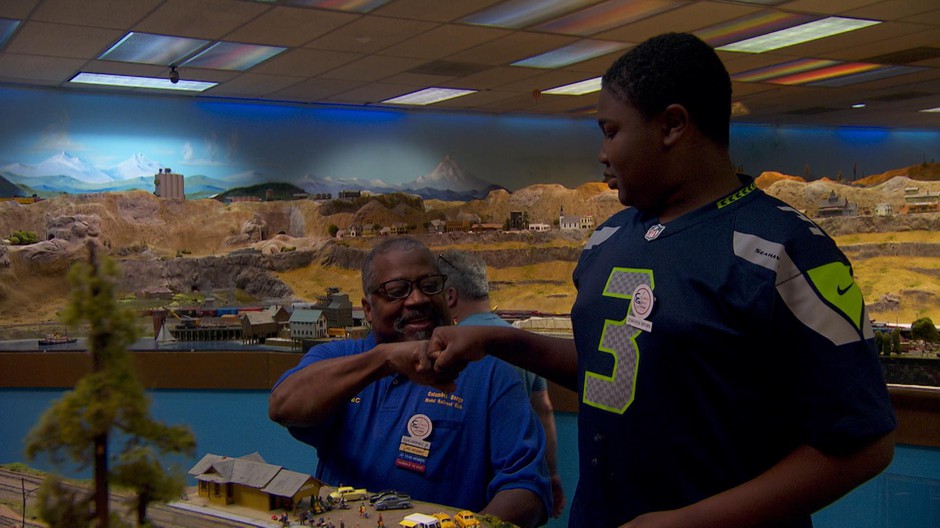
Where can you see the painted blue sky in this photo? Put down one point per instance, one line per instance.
(240, 142)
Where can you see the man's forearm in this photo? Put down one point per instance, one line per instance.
(310, 395)
(518, 506)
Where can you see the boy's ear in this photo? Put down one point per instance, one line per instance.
(675, 121)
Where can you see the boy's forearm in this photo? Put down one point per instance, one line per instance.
(803, 482)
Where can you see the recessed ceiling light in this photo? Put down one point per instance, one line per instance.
(571, 54)
(147, 48)
(428, 96)
(858, 105)
(933, 110)
(233, 56)
(579, 88)
(818, 29)
(128, 81)
(355, 6)
(517, 14)
(608, 15)
(7, 28)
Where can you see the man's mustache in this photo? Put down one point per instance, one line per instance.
(410, 315)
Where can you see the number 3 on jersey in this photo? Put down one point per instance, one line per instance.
(614, 392)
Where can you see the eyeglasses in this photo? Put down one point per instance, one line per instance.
(440, 258)
(398, 289)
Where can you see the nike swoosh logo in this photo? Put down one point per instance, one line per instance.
(842, 291)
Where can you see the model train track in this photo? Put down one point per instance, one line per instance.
(12, 484)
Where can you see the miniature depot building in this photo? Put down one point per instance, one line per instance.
(251, 482)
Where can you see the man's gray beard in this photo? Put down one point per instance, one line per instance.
(419, 335)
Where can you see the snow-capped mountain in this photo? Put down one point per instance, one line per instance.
(448, 176)
(137, 166)
(448, 181)
(62, 164)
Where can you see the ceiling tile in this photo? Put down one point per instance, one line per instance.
(372, 68)
(371, 34)
(435, 10)
(17, 9)
(443, 41)
(494, 77)
(60, 40)
(315, 89)
(302, 61)
(42, 70)
(290, 26)
(688, 18)
(208, 19)
(513, 47)
(893, 9)
(370, 93)
(94, 13)
(254, 85)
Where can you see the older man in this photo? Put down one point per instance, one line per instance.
(478, 447)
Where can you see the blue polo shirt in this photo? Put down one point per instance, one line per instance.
(483, 437)
(531, 381)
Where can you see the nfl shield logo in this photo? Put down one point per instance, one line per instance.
(654, 232)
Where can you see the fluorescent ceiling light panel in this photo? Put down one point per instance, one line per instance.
(574, 53)
(128, 81)
(822, 72)
(147, 48)
(7, 28)
(579, 88)
(782, 70)
(517, 14)
(354, 6)
(608, 15)
(232, 56)
(818, 29)
(931, 110)
(428, 96)
(751, 26)
(871, 74)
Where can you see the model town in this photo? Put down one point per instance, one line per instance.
(289, 498)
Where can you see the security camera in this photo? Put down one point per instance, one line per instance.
(174, 75)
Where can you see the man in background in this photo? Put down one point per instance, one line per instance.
(468, 297)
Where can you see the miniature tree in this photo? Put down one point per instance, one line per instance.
(925, 330)
(108, 400)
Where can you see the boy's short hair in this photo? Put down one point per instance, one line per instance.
(675, 68)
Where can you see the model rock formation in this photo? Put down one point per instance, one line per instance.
(273, 251)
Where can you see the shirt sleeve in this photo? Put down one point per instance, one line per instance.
(838, 385)
(516, 438)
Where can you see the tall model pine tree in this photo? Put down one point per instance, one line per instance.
(107, 408)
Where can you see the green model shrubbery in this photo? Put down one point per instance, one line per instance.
(22, 238)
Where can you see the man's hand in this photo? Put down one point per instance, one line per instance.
(451, 349)
(410, 359)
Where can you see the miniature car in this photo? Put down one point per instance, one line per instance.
(393, 501)
(465, 519)
(349, 493)
(376, 496)
(445, 519)
(419, 520)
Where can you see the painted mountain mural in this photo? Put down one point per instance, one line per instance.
(66, 173)
(448, 181)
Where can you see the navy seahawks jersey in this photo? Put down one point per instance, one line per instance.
(710, 348)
